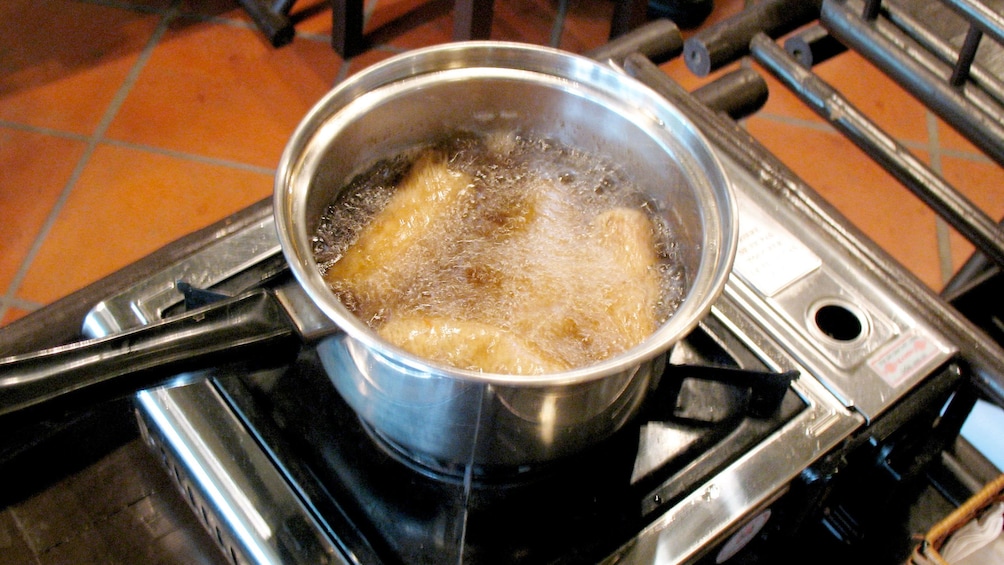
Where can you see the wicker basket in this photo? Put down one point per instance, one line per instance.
(927, 551)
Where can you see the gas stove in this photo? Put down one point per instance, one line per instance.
(803, 351)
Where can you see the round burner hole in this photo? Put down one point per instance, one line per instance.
(839, 322)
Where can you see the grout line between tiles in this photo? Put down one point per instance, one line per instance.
(236, 165)
(44, 131)
(92, 141)
(941, 227)
(15, 302)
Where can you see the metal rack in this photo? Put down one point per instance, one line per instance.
(955, 83)
(946, 54)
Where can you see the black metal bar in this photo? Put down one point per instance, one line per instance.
(960, 73)
(765, 389)
(813, 46)
(980, 299)
(943, 50)
(871, 10)
(951, 205)
(974, 114)
(977, 268)
(558, 28)
(728, 40)
(347, 37)
(983, 355)
(738, 93)
(659, 40)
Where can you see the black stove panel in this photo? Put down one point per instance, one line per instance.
(575, 510)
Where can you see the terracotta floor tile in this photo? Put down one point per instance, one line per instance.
(220, 91)
(149, 5)
(63, 62)
(34, 169)
(127, 204)
(861, 190)
(951, 139)
(371, 57)
(982, 182)
(13, 314)
(312, 17)
(388, 24)
(307, 16)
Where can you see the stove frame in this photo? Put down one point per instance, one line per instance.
(241, 488)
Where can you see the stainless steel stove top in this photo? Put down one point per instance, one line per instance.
(796, 302)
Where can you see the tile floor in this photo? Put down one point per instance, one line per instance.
(125, 124)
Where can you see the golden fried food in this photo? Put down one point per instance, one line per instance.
(629, 235)
(594, 296)
(468, 345)
(631, 301)
(526, 280)
(429, 192)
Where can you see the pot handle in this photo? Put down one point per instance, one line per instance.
(252, 327)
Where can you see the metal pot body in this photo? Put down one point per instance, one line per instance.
(464, 418)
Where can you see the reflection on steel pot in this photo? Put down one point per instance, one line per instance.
(460, 418)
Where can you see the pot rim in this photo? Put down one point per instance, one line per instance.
(721, 222)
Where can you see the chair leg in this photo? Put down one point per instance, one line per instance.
(628, 14)
(347, 37)
(472, 19)
(272, 20)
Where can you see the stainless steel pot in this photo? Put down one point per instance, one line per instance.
(465, 419)
(448, 418)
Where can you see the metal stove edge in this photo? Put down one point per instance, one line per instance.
(177, 423)
(845, 393)
(744, 489)
(234, 488)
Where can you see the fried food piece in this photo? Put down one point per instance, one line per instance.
(469, 345)
(591, 296)
(428, 193)
(631, 301)
(521, 281)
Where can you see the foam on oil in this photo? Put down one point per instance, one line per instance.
(501, 253)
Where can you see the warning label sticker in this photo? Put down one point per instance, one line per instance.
(769, 258)
(906, 356)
